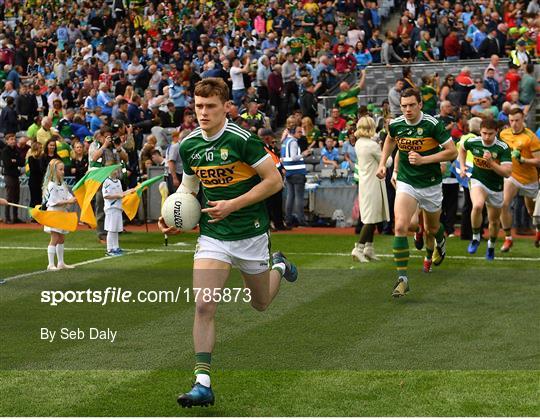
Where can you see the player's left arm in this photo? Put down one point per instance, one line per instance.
(270, 184)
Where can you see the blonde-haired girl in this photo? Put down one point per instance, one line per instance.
(57, 196)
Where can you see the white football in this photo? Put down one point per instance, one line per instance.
(181, 210)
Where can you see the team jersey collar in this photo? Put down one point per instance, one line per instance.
(490, 145)
(216, 136)
(421, 117)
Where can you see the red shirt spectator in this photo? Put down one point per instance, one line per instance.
(451, 45)
(511, 81)
(339, 122)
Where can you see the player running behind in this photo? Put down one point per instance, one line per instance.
(237, 175)
(524, 179)
(423, 143)
(492, 162)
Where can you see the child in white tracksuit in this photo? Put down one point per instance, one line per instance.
(112, 196)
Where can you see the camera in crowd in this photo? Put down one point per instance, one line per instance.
(115, 138)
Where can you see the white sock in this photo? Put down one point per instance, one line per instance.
(508, 238)
(111, 241)
(51, 252)
(361, 246)
(476, 236)
(491, 245)
(60, 253)
(280, 267)
(404, 278)
(116, 240)
(203, 379)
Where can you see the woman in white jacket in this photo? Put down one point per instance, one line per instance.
(371, 190)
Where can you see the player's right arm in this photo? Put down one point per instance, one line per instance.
(388, 148)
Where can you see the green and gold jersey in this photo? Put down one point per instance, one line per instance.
(225, 164)
(296, 45)
(500, 152)
(347, 102)
(425, 137)
(63, 150)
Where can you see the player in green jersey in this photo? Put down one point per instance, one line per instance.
(237, 175)
(423, 143)
(492, 162)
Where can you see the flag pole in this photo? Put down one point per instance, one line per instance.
(17, 205)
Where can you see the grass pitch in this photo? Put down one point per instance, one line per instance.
(464, 342)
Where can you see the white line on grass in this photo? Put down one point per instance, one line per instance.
(85, 262)
(169, 250)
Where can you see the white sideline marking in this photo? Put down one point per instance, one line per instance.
(169, 250)
(85, 262)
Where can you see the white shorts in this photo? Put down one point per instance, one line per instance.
(529, 190)
(113, 221)
(429, 199)
(56, 230)
(494, 199)
(251, 255)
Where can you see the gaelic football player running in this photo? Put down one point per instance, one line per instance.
(524, 179)
(237, 175)
(423, 143)
(492, 163)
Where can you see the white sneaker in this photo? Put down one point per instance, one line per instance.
(64, 266)
(52, 268)
(358, 254)
(369, 252)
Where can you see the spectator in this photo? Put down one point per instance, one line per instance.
(511, 80)
(528, 87)
(79, 161)
(424, 52)
(492, 85)
(374, 209)
(8, 117)
(374, 45)
(404, 49)
(276, 90)
(330, 155)
(308, 102)
(295, 178)
(394, 98)
(274, 203)
(362, 55)
(347, 98)
(490, 45)
(339, 122)
(474, 100)
(388, 54)
(311, 133)
(12, 162)
(35, 173)
(238, 87)
(253, 117)
(451, 46)
(429, 94)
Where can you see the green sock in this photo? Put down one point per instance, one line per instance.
(439, 235)
(401, 254)
(429, 253)
(202, 363)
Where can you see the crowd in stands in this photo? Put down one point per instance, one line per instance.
(74, 73)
